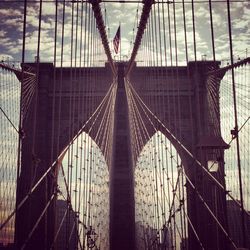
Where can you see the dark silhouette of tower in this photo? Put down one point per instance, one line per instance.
(203, 142)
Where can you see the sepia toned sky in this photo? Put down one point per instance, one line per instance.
(128, 15)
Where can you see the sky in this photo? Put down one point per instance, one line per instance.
(126, 14)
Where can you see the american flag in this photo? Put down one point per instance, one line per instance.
(116, 40)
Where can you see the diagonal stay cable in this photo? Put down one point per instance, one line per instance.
(59, 228)
(101, 27)
(55, 162)
(69, 201)
(9, 120)
(17, 71)
(208, 208)
(210, 211)
(181, 145)
(142, 25)
(131, 98)
(38, 221)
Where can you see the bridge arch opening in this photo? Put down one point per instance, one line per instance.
(160, 196)
(82, 206)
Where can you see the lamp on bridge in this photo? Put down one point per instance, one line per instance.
(213, 166)
(213, 147)
(212, 154)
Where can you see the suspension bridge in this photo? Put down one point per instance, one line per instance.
(151, 152)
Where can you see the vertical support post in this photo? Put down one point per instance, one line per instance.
(33, 166)
(122, 214)
(209, 146)
(120, 41)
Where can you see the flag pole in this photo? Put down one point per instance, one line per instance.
(120, 41)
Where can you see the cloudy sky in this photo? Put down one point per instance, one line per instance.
(128, 14)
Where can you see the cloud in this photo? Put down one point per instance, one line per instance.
(10, 12)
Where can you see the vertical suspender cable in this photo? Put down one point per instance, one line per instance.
(194, 36)
(54, 85)
(236, 126)
(21, 99)
(212, 28)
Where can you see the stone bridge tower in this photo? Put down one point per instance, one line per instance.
(205, 144)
